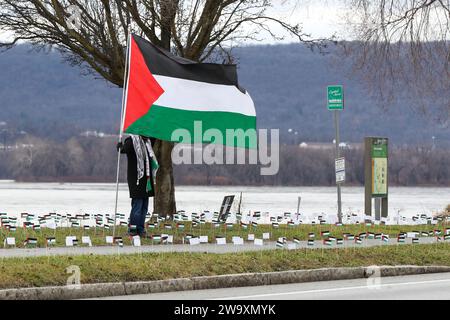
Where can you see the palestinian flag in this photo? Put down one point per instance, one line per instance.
(311, 235)
(349, 237)
(415, 240)
(165, 93)
(51, 241)
(297, 240)
(325, 233)
(311, 243)
(358, 240)
(340, 242)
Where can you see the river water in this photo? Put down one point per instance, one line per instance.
(42, 198)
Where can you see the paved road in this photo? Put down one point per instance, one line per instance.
(418, 287)
(203, 248)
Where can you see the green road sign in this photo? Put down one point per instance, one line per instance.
(379, 167)
(335, 98)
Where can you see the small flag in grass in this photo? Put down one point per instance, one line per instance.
(118, 241)
(229, 226)
(296, 240)
(188, 236)
(322, 222)
(350, 237)
(107, 227)
(328, 242)
(168, 226)
(180, 226)
(75, 225)
(280, 244)
(378, 236)
(311, 243)
(401, 239)
(385, 238)
(51, 241)
(370, 235)
(30, 242)
(311, 235)
(254, 224)
(156, 237)
(437, 232)
(332, 239)
(415, 240)
(358, 240)
(424, 234)
(340, 242)
(291, 224)
(275, 225)
(325, 233)
(447, 237)
(362, 235)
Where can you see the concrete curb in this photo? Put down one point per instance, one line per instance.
(215, 282)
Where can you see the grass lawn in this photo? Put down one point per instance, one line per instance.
(50, 271)
(301, 232)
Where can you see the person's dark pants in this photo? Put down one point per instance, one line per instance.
(139, 210)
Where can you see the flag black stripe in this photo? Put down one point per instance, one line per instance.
(163, 63)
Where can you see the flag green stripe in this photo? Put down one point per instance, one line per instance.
(161, 122)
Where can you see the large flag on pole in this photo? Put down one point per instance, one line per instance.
(164, 93)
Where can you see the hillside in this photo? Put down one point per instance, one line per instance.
(43, 96)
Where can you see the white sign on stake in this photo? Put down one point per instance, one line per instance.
(221, 241)
(86, 240)
(259, 242)
(69, 241)
(238, 241)
(136, 241)
(10, 241)
(266, 236)
(251, 237)
(194, 241)
(204, 239)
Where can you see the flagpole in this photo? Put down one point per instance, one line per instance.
(126, 76)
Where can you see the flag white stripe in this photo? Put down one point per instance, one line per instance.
(200, 96)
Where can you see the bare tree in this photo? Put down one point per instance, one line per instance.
(404, 44)
(92, 34)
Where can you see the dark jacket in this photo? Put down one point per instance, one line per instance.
(136, 191)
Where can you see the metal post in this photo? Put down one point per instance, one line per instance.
(122, 115)
(377, 209)
(338, 155)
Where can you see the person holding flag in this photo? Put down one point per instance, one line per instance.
(141, 176)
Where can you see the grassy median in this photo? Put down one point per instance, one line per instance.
(51, 271)
(98, 235)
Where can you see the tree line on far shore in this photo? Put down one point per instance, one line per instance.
(88, 159)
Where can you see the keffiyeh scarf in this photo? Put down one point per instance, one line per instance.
(147, 164)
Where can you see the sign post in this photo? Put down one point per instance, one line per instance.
(376, 176)
(335, 103)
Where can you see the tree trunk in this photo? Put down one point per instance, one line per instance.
(164, 201)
